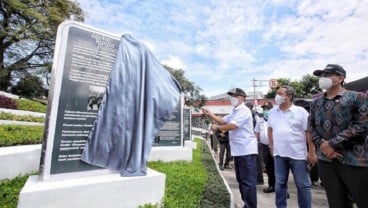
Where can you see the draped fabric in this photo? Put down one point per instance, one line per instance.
(139, 96)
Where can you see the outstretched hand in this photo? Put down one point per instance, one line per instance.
(206, 112)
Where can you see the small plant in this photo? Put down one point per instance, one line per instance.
(6, 102)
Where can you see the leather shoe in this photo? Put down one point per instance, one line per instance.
(227, 167)
(269, 189)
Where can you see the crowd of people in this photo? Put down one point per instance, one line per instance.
(324, 139)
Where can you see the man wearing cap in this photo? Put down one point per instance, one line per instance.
(339, 126)
(243, 144)
(261, 134)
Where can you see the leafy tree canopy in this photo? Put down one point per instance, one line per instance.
(192, 92)
(306, 88)
(27, 35)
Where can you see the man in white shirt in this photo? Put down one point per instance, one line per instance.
(287, 126)
(243, 144)
(261, 130)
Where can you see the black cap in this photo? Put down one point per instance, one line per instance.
(267, 105)
(331, 69)
(237, 92)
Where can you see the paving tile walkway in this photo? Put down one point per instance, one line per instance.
(267, 200)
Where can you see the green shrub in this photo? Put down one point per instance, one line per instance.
(216, 193)
(6, 102)
(28, 118)
(11, 135)
(10, 189)
(29, 105)
(193, 184)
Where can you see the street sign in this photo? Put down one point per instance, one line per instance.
(273, 83)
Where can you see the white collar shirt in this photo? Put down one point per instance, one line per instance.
(288, 131)
(262, 128)
(242, 140)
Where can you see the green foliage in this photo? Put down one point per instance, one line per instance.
(192, 92)
(185, 181)
(11, 135)
(305, 88)
(216, 194)
(27, 33)
(28, 118)
(193, 184)
(10, 189)
(6, 102)
(30, 86)
(29, 105)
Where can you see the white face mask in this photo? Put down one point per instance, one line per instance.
(325, 83)
(234, 101)
(279, 100)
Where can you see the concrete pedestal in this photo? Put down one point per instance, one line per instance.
(110, 190)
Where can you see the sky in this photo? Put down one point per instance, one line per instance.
(221, 44)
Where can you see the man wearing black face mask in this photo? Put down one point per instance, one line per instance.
(243, 144)
(339, 126)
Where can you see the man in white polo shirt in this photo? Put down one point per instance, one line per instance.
(287, 126)
(243, 144)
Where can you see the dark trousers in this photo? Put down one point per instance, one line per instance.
(269, 164)
(260, 165)
(341, 181)
(313, 173)
(246, 175)
(224, 148)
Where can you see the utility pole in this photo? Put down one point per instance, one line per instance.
(260, 84)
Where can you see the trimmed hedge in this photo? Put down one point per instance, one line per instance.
(28, 118)
(11, 135)
(29, 105)
(6, 102)
(23, 104)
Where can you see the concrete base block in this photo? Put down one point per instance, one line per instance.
(190, 144)
(18, 160)
(108, 191)
(168, 154)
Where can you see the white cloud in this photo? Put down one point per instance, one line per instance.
(222, 44)
(174, 62)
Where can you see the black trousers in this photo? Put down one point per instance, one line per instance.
(314, 175)
(269, 164)
(224, 151)
(260, 165)
(341, 181)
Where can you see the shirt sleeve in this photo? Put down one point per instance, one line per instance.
(240, 117)
(257, 127)
(305, 119)
(317, 139)
(357, 129)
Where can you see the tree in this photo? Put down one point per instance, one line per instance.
(27, 35)
(305, 88)
(192, 92)
(30, 87)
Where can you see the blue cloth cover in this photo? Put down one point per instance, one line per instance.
(139, 96)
